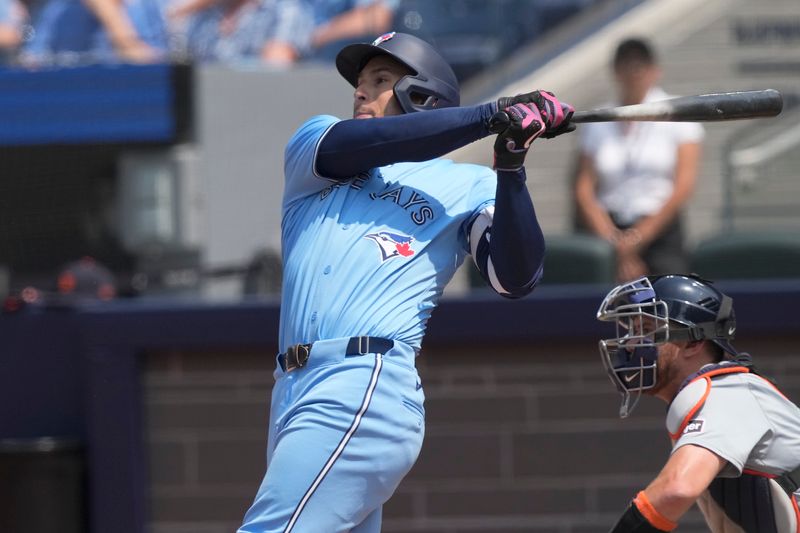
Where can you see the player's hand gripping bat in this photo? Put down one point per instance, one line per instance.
(699, 108)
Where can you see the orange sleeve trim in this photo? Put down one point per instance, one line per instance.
(655, 518)
(707, 376)
(733, 370)
(693, 410)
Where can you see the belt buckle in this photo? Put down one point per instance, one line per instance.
(297, 356)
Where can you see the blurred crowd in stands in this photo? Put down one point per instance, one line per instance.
(272, 32)
(471, 34)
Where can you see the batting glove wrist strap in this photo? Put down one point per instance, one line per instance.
(642, 517)
(525, 124)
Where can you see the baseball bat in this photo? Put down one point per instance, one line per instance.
(699, 108)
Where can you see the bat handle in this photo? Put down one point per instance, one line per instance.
(499, 122)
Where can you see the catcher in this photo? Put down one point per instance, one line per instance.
(735, 436)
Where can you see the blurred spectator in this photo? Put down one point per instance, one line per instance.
(86, 279)
(341, 22)
(135, 29)
(79, 281)
(269, 31)
(13, 20)
(635, 177)
(70, 31)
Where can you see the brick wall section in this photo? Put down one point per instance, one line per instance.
(518, 439)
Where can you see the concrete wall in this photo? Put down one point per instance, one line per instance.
(518, 438)
(244, 120)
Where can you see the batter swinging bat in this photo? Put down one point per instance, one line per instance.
(700, 108)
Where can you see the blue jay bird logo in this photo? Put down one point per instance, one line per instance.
(392, 244)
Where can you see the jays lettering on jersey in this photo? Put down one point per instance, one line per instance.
(371, 255)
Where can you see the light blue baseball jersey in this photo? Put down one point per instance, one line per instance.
(371, 255)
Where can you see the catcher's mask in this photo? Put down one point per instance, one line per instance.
(650, 312)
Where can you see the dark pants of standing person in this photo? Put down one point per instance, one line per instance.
(666, 254)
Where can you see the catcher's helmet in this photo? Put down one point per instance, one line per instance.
(432, 85)
(654, 310)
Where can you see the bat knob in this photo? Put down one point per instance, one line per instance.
(499, 122)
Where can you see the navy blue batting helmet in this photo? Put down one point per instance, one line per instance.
(432, 84)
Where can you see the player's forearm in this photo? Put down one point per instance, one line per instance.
(517, 245)
(642, 517)
(677, 487)
(353, 146)
(672, 500)
(688, 472)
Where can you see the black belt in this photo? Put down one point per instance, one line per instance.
(296, 356)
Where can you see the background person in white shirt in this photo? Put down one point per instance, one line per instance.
(635, 177)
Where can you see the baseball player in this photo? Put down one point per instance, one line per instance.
(374, 226)
(735, 436)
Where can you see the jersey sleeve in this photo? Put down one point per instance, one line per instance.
(730, 424)
(480, 201)
(300, 174)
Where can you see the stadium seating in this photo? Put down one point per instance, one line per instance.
(578, 258)
(748, 255)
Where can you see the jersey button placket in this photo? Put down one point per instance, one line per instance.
(325, 272)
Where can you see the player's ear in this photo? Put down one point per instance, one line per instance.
(693, 348)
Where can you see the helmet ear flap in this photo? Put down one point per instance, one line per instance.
(403, 93)
(414, 93)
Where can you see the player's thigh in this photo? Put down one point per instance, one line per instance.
(371, 524)
(343, 448)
